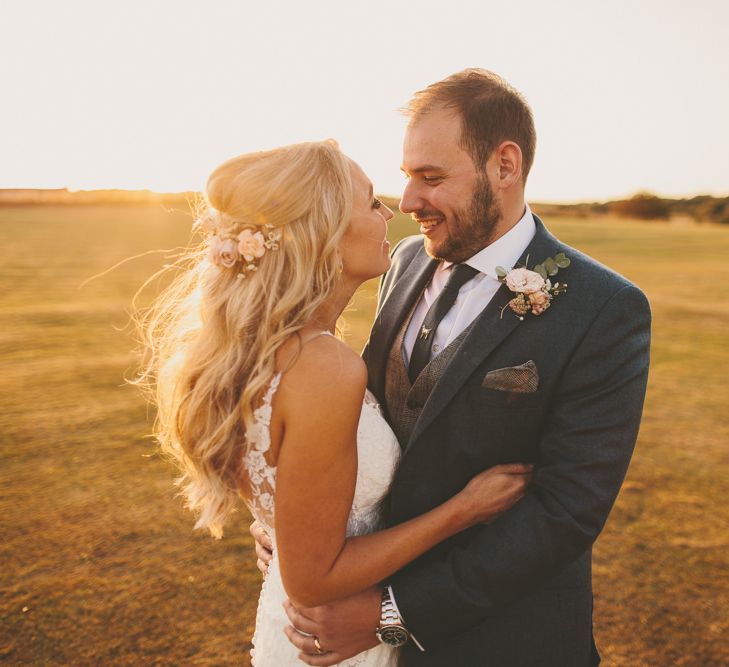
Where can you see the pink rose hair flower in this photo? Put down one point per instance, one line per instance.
(236, 243)
(252, 245)
(223, 252)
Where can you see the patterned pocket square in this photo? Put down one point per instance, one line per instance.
(522, 379)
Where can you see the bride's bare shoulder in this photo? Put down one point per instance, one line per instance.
(320, 368)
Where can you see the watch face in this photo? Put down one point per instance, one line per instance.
(393, 635)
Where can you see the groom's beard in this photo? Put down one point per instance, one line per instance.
(469, 229)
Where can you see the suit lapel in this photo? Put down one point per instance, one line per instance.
(489, 331)
(400, 300)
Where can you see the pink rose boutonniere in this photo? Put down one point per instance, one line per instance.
(533, 287)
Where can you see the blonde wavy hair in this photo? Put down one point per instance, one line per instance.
(210, 338)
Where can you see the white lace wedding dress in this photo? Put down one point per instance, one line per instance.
(378, 454)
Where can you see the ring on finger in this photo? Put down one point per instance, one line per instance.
(317, 646)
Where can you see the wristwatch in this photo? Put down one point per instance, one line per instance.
(391, 631)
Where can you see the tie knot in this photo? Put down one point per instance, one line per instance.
(460, 275)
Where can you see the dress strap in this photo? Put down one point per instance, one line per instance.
(303, 341)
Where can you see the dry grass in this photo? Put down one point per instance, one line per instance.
(100, 565)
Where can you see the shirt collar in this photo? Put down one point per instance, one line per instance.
(506, 250)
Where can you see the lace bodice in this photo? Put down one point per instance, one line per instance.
(378, 453)
(261, 475)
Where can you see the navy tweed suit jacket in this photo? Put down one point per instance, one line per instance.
(518, 591)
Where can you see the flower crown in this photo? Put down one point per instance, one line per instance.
(233, 242)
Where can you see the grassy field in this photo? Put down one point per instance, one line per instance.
(99, 562)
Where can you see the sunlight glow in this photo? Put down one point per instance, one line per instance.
(627, 96)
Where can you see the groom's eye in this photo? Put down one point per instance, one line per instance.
(376, 203)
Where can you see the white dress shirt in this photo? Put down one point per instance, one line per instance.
(475, 295)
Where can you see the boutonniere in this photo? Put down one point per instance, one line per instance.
(534, 289)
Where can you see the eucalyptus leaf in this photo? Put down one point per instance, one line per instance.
(562, 262)
(501, 272)
(551, 266)
(541, 271)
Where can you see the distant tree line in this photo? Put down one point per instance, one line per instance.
(644, 205)
(647, 206)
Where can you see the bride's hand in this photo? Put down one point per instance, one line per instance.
(263, 546)
(495, 490)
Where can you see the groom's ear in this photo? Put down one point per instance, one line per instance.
(506, 165)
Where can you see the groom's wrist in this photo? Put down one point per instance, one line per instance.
(413, 638)
(392, 630)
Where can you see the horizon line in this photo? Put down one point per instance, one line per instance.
(147, 192)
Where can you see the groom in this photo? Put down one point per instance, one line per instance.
(473, 372)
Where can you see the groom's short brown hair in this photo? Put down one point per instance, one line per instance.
(491, 112)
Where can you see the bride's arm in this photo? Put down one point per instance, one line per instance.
(319, 402)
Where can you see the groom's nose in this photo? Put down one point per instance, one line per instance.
(411, 201)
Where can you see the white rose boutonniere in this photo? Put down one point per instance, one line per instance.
(524, 280)
(533, 287)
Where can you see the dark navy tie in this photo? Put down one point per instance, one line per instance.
(420, 356)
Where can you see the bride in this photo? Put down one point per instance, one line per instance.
(257, 398)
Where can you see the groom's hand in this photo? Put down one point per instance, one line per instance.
(343, 628)
(263, 546)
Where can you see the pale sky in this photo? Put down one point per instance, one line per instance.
(628, 95)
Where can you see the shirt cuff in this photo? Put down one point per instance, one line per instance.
(402, 620)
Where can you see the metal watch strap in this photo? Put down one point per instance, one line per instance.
(388, 611)
(391, 631)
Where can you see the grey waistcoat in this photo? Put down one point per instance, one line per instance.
(404, 400)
